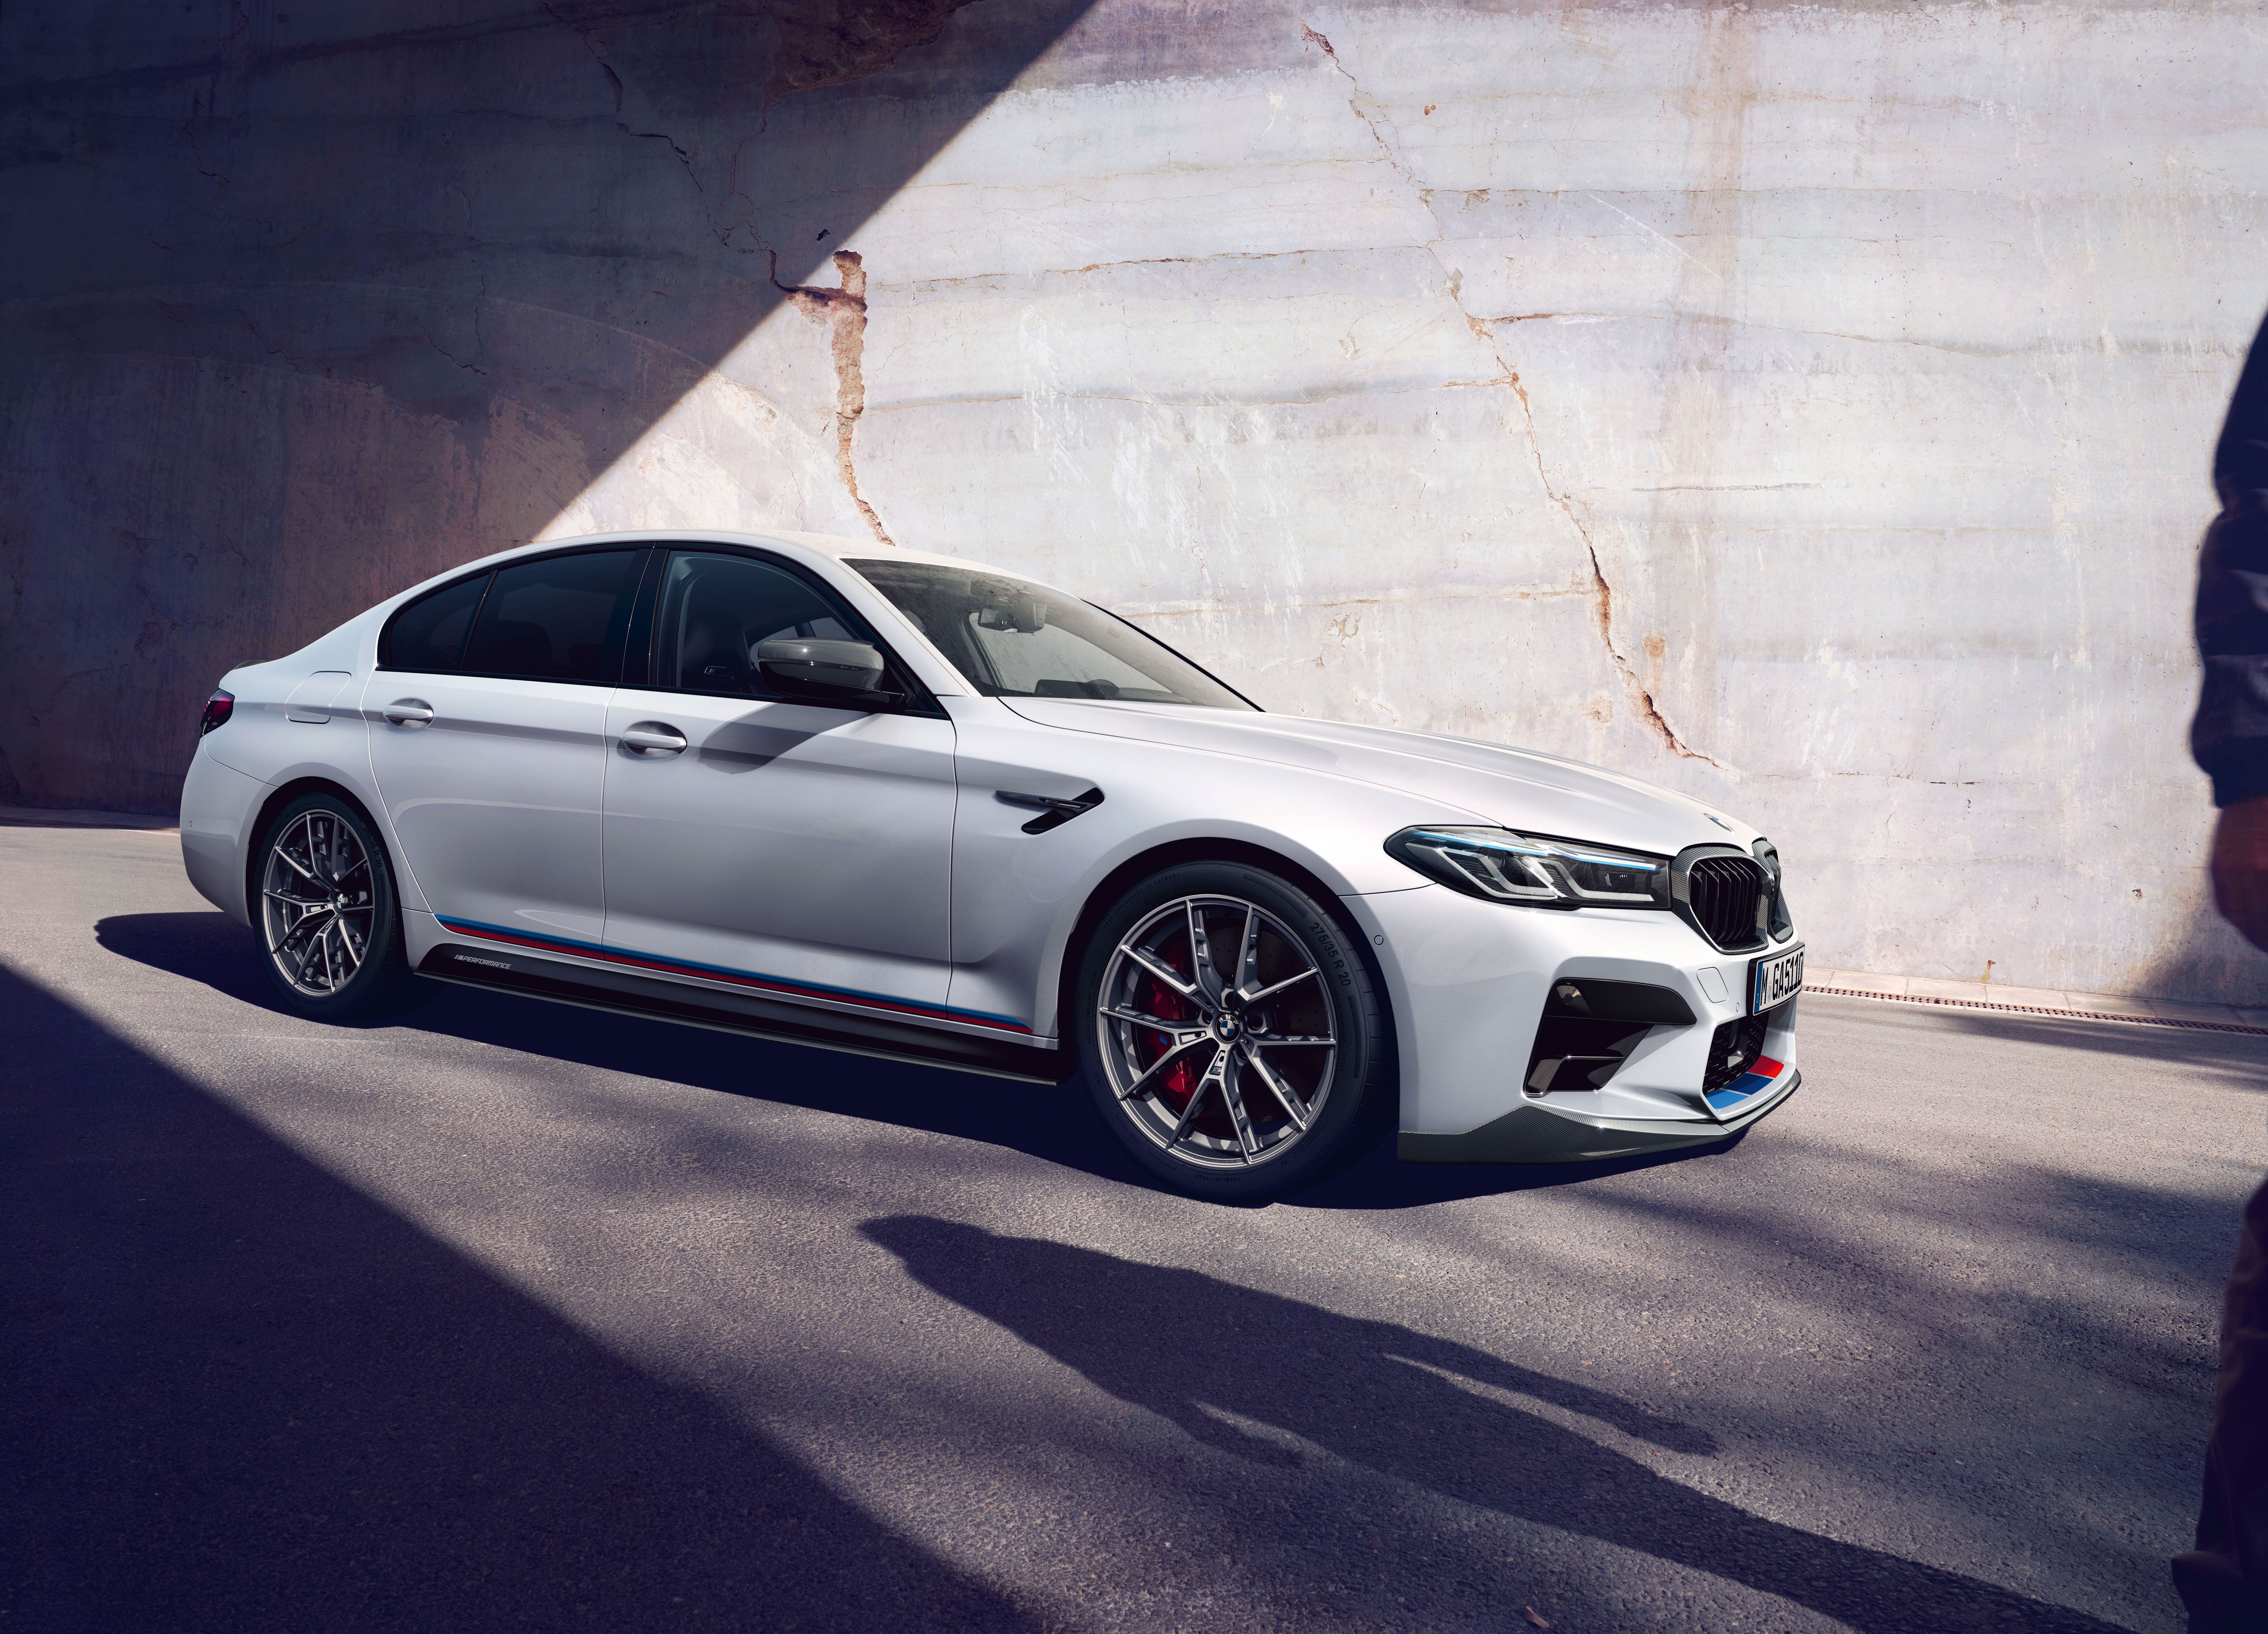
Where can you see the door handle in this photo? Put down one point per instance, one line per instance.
(407, 712)
(652, 738)
(1053, 812)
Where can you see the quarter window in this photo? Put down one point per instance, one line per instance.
(430, 633)
(560, 618)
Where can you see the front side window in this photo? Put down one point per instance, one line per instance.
(716, 610)
(1010, 637)
(560, 618)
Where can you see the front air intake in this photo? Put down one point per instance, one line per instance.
(1723, 898)
(1589, 1028)
(1733, 1049)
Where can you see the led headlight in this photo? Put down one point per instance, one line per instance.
(1508, 867)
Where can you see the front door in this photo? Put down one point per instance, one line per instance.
(486, 722)
(785, 847)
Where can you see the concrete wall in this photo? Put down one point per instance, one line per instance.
(1808, 407)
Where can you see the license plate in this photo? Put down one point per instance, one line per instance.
(1775, 979)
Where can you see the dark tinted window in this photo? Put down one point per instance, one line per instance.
(716, 609)
(1014, 638)
(430, 633)
(560, 619)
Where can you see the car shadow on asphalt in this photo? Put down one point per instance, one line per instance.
(243, 1395)
(1211, 1356)
(1056, 1123)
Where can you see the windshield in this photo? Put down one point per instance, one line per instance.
(1011, 638)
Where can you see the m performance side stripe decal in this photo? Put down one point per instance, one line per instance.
(720, 973)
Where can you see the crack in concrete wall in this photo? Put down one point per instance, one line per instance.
(843, 313)
(1602, 592)
(1603, 595)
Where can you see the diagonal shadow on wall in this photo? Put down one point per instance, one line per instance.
(321, 301)
(244, 1396)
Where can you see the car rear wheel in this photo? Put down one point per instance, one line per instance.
(329, 918)
(1231, 1034)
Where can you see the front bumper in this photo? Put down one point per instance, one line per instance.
(1467, 980)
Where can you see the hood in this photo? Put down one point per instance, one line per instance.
(1513, 788)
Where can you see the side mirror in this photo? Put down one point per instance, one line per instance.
(850, 671)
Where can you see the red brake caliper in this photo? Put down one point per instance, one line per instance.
(1181, 1080)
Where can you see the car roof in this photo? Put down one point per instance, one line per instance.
(839, 546)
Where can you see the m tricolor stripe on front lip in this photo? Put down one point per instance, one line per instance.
(720, 973)
(1757, 1077)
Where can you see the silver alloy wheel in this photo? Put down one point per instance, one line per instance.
(1222, 1068)
(318, 902)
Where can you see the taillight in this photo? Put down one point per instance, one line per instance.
(218, 708)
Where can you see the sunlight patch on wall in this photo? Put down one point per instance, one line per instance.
(751, 447)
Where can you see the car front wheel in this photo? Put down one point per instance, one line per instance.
(1231, 1034)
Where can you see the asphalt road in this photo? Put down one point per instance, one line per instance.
(519, 1316)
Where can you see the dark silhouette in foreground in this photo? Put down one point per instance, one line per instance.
(2224, 1581)
(1192, 1348)
(242, 1394)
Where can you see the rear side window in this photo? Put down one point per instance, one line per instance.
(559, 619)
(430, 633)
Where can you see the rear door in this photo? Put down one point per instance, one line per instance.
(790, 847)
(487, 718)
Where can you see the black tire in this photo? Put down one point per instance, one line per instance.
(1223, 1086)
(327, 917)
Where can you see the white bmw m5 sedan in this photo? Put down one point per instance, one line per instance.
(809, 789)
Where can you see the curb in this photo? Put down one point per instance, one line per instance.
(45, 817)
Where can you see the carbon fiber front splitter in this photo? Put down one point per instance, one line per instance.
(1536, 1133)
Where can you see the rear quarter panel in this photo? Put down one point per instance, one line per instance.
(263, 744)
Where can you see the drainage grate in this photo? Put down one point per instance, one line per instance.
(2039, 1010)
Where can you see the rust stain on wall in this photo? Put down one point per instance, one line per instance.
(828, 42)
(843, 312)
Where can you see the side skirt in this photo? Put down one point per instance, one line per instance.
(515, 971)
